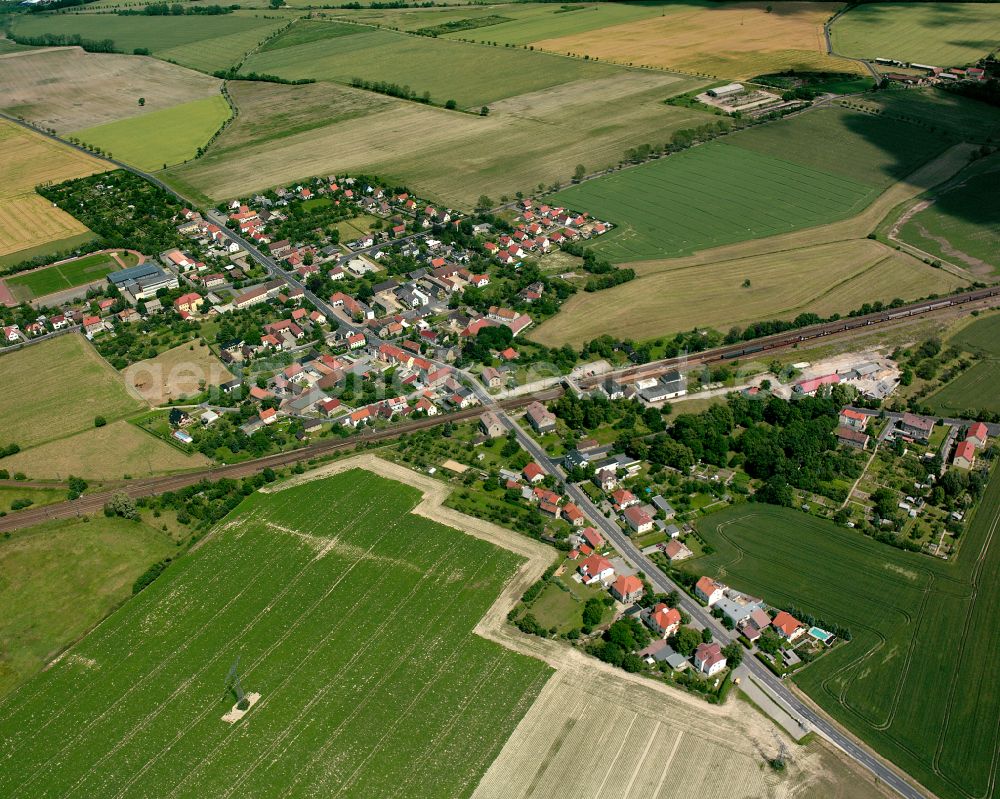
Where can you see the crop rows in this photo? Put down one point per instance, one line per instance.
(353, 620)
(913, 620)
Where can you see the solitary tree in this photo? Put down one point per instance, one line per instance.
(579, 172)
(142, 101)
(484, 111)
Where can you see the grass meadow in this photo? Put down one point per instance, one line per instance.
(931, 107)
(70, 385)
(27, 220)
(58, 277)
(963, 223)
(60, 579)
(157, 140)
(978, 388)
(913, 619)
(205, 43)
(351, 617)
(471, 75)
(940, 34)
(806, 171)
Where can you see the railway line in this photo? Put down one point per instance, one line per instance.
(792, 337)
(93, 503)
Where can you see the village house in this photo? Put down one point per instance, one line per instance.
(596, 568)
(852, 437)
(627, 588)
(853, 419)
(573, 514)
(593, 538)
(638, 519)
(188, 303)
(623, 498)
(978, 434)
(676, 551)
(540, 418)
(663, 621)
(787, 626)
(708, 659)
(533, 473)
(708, 591)
(491, 425)
(965, 454)
(919, 428)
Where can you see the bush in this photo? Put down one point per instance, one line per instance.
(100, 421)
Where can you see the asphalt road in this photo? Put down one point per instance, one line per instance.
(778, 692)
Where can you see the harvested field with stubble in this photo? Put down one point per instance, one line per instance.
(28, 220)
(452, 157)
(731, 40)
(68, 89)
(70, 384)
(112, 452)
(824, 279)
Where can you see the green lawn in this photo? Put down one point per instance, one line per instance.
(57, 580)
(161, 138)
(914, 620)
(940, 34)
(351, 617)
(470, 74)
(206, 43)
(809, 170)
(38, 496)
(90, 268)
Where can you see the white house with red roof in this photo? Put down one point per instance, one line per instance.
(596, 568)
(573, 514)
(708, 659)
(965, 454)
(787, 626)
(978, 434)
(592, 537)
(623, 498)
(638, 519)
(709, 591)
(627, 588)
(664, 621)
(853, 419)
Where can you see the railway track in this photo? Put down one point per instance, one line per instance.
(153, 486)
(789, 338)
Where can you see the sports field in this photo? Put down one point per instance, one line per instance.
(70, 385)
(472, 75)
(670, 297)
(205, 43)
(27, 220)
(68, 89)
(156, 140)
(940, 34)
(58, 277)
(912, 618)
(454, 158)
(352, 618)
(962, 224)
(730, 40)
(60, 579)
(797, 173)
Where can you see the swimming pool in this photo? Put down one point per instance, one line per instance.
(820, 635)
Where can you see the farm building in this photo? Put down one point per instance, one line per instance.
(729, 90)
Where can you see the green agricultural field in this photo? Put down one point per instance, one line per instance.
(982, 337)
(913, 619)
(940, 109)
(977, 389)
(963, 223)
(161, 138)
(60, 579)
(69, 244)
(352, 618)
(58, 277)
(472, 75)
(206, 43)
(941, 34)
(806, 171)
(70, 385)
